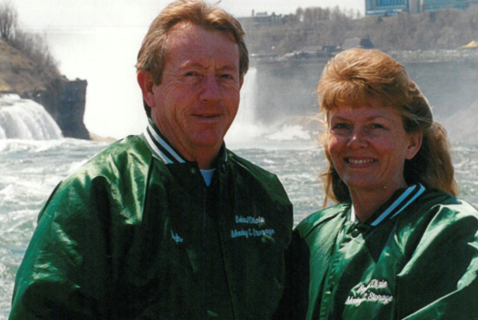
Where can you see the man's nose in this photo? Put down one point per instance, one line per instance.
(210, 90)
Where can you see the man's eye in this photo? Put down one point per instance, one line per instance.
(376, 126)
(191, 74)
(227, 76)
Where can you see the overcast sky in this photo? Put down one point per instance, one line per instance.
(84, 13)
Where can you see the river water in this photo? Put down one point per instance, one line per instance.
(30, 169)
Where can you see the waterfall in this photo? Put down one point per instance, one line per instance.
(247, 130)
(245, 115)
(25, 119)
(245, 127)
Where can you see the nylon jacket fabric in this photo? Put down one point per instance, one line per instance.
(420, 262)
(131, 237)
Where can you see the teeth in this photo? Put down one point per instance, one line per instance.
(360, 161)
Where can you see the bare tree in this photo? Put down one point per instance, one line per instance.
(31, 45)
(8, 21)
(441, 29)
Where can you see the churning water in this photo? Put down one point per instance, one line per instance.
(30, 169)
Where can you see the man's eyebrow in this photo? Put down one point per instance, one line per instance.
(229, 67)
(189, 64)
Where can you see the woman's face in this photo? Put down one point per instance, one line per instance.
(368, 146)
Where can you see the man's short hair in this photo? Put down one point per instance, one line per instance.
(151, 56)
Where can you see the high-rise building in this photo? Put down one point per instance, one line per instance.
(389, 7)
(432, 5)
(386, 7)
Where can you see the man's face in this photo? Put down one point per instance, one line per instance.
(198, 97)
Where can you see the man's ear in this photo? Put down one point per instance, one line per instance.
(415, 142)
(146, 83)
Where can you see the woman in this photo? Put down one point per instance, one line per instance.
(398, 245)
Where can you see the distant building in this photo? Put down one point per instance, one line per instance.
(386, 7)
(432, 5)
(390, 7)
(264, 19)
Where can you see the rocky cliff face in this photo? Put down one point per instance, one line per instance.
(65, 100)
(62, 98)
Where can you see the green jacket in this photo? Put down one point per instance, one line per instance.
(136, 234)
(415, 258)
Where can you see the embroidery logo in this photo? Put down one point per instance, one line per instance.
(176, 237)
(251, 232)
(372, 292)
(250, 220)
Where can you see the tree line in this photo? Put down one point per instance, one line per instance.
(433, 30)
(31, 45)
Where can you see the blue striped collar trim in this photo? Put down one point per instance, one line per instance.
(396, 207)
(160, 146)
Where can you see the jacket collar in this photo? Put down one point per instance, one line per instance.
(393, 207)
(163, 150)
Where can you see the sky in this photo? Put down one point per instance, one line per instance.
(74, 13)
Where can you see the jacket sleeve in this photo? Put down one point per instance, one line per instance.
(64, 274)
(440, 281)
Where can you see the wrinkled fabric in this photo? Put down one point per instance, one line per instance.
(131, 237)
(419, 264)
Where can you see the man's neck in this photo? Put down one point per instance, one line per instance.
(206, 160)
(204, 156)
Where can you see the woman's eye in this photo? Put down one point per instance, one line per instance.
(376, 126)
(339, 126)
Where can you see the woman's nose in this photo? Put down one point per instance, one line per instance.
(357, 139)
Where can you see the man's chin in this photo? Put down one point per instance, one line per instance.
(213, 142)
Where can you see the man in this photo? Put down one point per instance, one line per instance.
(169, 224)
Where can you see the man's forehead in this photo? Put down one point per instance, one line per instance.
(190, 45)
(185, 31)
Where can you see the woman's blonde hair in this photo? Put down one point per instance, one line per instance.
(355, 76)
